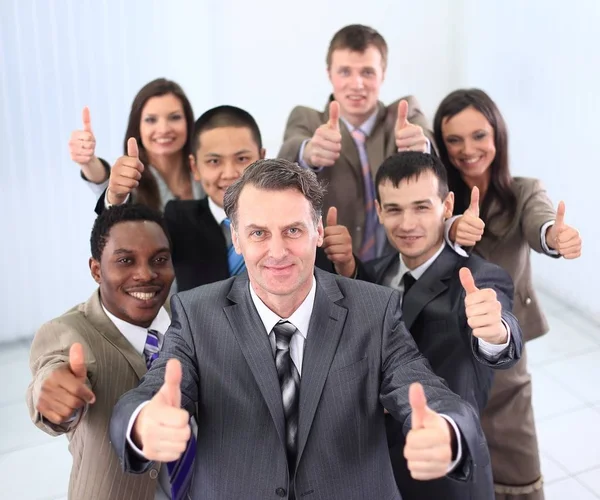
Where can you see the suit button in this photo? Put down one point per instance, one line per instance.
(528, 301)
(280, 492)
(153, 473)
(358, 229)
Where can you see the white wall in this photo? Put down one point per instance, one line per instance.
(540, 62)
(57, 56)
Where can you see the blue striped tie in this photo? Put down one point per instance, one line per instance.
(180, 471)
(234, 260)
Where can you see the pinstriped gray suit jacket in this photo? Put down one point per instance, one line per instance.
(114, 367)
(358, 359)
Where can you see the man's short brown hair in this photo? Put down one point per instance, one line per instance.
(357, 38)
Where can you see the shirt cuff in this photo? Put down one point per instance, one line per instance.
(492, 351)
(458, 441)
(107, 205)
(301, 161)
(130, 428)
(547, 250)
(455, 246)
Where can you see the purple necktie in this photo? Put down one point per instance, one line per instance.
(368, 249)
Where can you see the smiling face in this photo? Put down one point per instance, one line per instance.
(277, 235)
(469, 140)
(163, 128)
(223, 154)
(413, 216)
(135, 272)
(356, 78)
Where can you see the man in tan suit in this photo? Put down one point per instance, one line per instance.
(83, 361)
(346, 143)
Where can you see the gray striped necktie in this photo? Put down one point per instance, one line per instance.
(289, 379)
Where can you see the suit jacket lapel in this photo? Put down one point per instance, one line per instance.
(97, 317)
(326, 325)
(433, 282)
(254, 343)
(380, 266)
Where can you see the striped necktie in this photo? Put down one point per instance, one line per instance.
(368, 249)
(234, 260)
(289, 380)
(180, 471)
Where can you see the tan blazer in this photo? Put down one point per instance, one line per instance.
(345, 187)
(507, 243)
(114, 367)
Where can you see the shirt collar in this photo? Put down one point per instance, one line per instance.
(417, 272)
(300, 318)
(366, 127)
(217, 212)
(136, 335)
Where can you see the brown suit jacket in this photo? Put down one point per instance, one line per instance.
(507, 243)
(345, 187)
(114, 367)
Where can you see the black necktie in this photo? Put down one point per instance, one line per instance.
(408, 281)
(289, 379)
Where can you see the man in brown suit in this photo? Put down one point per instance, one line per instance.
(85, 360)
(346, 143)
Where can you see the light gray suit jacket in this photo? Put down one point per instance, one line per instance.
(358, 359)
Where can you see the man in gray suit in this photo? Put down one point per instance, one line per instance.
(291, 369)
(458, 309)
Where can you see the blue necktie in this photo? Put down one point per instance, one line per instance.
(234, 260)
(180, 471)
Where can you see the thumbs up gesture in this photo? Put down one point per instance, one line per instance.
(563, 238)
(324, 148)
(467, 230)
(162, 427)
(125, 174)
(82, 144)
(428, 448)
(337, 244)
(64, 390)
(483, 310)
(409, 137)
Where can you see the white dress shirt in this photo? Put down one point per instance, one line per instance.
(136, 335)
(488, 350)
(217, 212)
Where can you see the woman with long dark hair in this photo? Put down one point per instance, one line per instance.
(161, 121)
(502, 219)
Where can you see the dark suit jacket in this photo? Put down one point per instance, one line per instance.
(359, 358)
(345, 186)
(434, 312)
(199, 246)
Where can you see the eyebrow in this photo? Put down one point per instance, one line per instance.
(126, 251)
(169, 113)
(217, 155)
(256, 227)
(417, 202)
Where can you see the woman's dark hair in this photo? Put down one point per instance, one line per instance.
(500, 188)
(147, 192)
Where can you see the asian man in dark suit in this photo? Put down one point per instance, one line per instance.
(291, 368)
(458, 309)
(226, 139)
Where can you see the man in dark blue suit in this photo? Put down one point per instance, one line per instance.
(458, 309)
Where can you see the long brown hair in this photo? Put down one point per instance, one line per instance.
(147, 191)
(500, 188)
